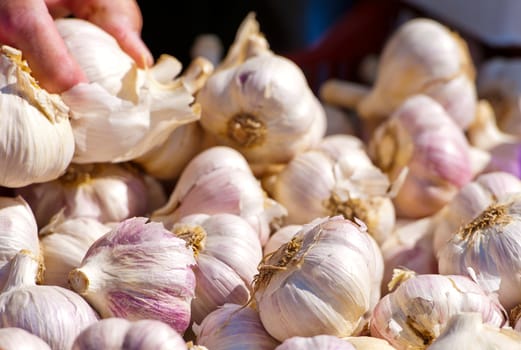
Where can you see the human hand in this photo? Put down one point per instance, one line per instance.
(28, 25)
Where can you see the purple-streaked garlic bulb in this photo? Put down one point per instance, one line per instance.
(106, 192)
(487, 248)
(421, 137)
(55, 314)
(281, 236)
(227, 251)
(322, 342)
(219, 180)
(336, 178)
(233, 327)
(13, 338)
(18, 230)
(64, 243)
(138, 270)
(260, 103)
(117, 333)
(414, 314)
(424, 57)
(325, 280)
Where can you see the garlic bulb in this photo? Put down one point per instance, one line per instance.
(64, 242)
(123, 111)
(424, 57)
(324, 281)
(139, 270)
(233, 327)
(18, 231)
(336, 178)
(37, 138)
(322, 342)
(486, 248)
(279, 237)
(227, 251)
(55, 314)
(103, 191)
(470, 202)
(420, 136)
(414, 314)
(466, 331)
(369, 343)
(260, 103)
(219, 180)
(118, 333)
(13, 338)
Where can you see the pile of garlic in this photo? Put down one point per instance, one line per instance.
(217, 207)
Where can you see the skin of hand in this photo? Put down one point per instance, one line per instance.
(28, 25)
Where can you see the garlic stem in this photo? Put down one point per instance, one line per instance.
(343, 93)
(24, 269)
(79, 281)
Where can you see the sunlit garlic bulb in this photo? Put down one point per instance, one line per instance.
(233, 327)
(260, 103)
(138, 270)
(118, 334)
(227, 251)
(414, 314)
(294, 292)
(102, 191)
(219, 180)
(421, 136)
(37, 139)
(55, 314)
(424, 57)
(123, 111)
(336, 178)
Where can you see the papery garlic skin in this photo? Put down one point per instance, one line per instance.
(279, 237)
(487, 249)
(18, 230)
(417, 311)
(118, 334)
(323, 342)
(138, 270)
(64, 243)
(55, 314)
(420, 136)
(123, 111)
(233, 327)
(323, 281)
(424, 57)
(105, 192)
(227, 251)
(37, 138)
(13, 338)
(466, 331)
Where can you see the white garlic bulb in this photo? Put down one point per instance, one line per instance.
(118, 333)
(55, 314)
(336, 178)
(37, 138)
(233, 327)
(487, 248)
(138, 270)
(13, 338)
(102, 191)
(227, 251)
(219, 180)
(64, 242)
(123, 111)
(260, 103)
(414, 314)
(324, 281)
(18, 231)
(322, 342)
(420, 135)
(466, 331)
(424, 57)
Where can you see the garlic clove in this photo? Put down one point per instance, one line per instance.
(369, 343)
(38, 141)
(13, 338)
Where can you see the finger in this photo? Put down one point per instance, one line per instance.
(120, 18)
(28, 26)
